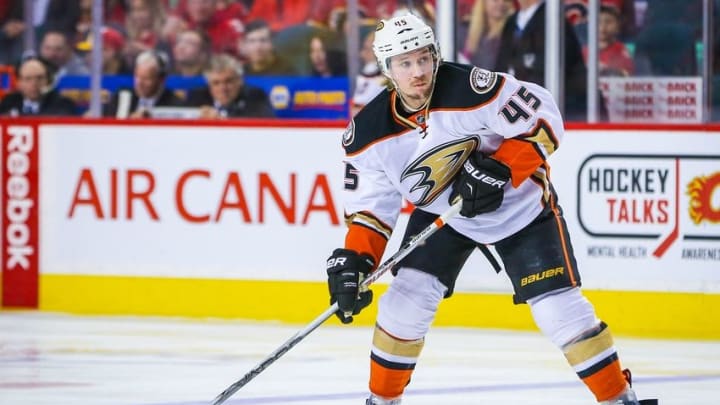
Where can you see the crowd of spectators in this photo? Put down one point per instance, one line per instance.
(307, 38)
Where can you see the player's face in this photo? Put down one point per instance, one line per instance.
(412, 72)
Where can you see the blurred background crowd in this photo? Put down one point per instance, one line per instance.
(246, 58)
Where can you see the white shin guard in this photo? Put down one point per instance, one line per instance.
(563, 315)
(408, 307)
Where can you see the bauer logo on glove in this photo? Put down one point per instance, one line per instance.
(481, 184)
(346, 270)
(483, 176)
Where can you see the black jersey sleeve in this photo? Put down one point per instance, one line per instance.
(460, 86)
(370, 124)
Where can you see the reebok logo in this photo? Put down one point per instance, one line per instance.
(19, 203)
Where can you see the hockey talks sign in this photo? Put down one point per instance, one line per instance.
(656, 198)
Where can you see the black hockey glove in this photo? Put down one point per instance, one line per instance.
(346, 270)
(481, 184)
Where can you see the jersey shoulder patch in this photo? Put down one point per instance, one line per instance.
(482, 81)
(349, 135)
(465, 86)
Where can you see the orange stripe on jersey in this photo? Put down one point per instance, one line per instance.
(386, 382)
(607, 383)
(365, 240)
(523, 155)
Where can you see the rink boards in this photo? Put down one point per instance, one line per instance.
(236, 220)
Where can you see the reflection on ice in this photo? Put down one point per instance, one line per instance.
(64, 359)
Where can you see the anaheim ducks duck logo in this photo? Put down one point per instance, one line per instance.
(436, 169)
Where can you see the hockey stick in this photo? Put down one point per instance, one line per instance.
(374, 276)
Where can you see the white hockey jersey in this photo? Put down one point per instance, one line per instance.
(391, 155)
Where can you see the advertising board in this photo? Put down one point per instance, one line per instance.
(156, 210)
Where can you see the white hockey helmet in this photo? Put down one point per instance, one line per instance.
(402, 34)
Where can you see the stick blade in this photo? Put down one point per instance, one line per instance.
(229, 391)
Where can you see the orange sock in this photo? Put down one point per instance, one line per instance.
(392, 362)
(596, 362)
(605, 380)
(388, 379)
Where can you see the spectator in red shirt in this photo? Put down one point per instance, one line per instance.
(225, 9)
(113, 62)
(613, 57)
(144, 22)
(115, 12)
(384, 9)
(282, 14)
(190, 53)
(576, 12)
(4, 9)
(224, 26)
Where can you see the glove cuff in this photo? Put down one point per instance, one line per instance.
(491, 164)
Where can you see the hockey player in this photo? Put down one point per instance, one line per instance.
(448, 130)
